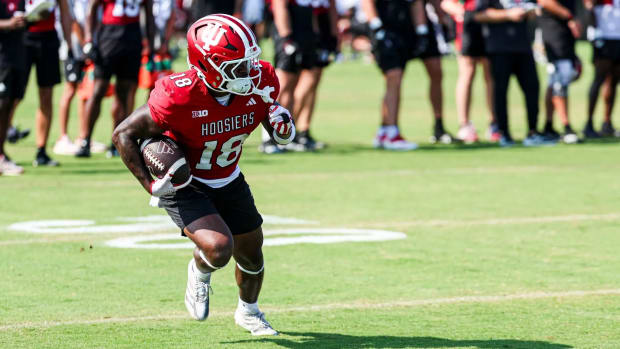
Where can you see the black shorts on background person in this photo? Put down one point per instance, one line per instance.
(510, 53)
(12, 72)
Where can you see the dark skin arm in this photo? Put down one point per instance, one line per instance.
(139, 125)
(150, 24)
(91, 20)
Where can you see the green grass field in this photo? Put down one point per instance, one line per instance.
(502, 248)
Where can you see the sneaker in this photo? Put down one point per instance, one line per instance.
(14, 134)
(550, 133)
(493, 134)
(467, 134)
(9, 168)
(317, 145)
(570, 136)
(112, 152)
(378, 141)
(42, 159)
(84, 150)
(255, 323)
(64, 146)
(398, 143)
(97, 147)
(505, 142)
(589, 132)
(270, 147)
(536, 140)
(442, 137)
(197, 293)
(607, 130)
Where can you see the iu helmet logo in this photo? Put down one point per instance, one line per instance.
(212, 35)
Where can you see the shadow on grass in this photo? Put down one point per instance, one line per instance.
(334, 340)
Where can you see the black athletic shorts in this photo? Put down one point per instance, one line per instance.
(432, 49)
(327, 43)
(74, 70)
(607, 49)
(472, 41)
(304, 58)
(393, 50)
(119, 52)
(42, 51)
(234, 203)
(12, 82)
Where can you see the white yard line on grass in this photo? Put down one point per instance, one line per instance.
(332, 306)
(495, 221)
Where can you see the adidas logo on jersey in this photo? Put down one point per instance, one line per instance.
(250, 102)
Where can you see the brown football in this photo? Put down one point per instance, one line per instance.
(160, 154)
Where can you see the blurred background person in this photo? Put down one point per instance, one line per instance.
(73, 63)
(606, 59)
(296, 58)
(429, 34)
(306, 89)
(42, 44)
(509, 49)
(353, 28)
(13, 72)
(559, 31)
(116, 52)
(392, 24)
(253, 14)
(201, 8)
(469, 44)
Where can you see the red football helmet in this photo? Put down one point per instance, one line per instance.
(225, 53)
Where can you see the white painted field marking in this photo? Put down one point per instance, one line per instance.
(132, 225)
(307, 235)
(497, 221)
(332, 306)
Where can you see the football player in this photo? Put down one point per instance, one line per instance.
(12, 72)
(559, 31)
(42, 46)
(606, 59)
(470, 46)
(210, 110)
(297, 62)
(392, 24)
(117, 51)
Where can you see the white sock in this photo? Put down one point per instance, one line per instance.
(391, 131)
(381, 131)
(201, 275)
(248, 308)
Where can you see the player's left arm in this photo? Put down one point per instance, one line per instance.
(138, 125)
(150, 24)
(279, 124)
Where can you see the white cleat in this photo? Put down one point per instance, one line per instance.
(398, 143)
(255, 323)
(197, 293)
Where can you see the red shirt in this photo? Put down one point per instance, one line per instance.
(43, 25)
(210, 134)
(121, 12)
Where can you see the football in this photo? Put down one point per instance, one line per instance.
(160, 154)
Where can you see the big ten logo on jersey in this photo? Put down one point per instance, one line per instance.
(126, 8)
(212, 35)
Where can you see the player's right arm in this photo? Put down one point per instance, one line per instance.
(139, 125)
(90, 23)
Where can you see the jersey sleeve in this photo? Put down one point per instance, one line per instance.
(166, 104)
(269, 82)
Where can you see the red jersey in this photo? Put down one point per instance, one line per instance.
(121, 12)
(210, 134)
(43, 25)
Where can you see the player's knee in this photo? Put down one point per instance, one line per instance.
(218, 252)
(559, 89)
